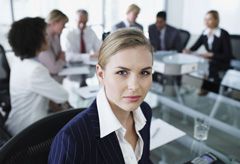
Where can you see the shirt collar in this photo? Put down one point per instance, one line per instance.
(127, 24)
(108, 122)
(216, 32)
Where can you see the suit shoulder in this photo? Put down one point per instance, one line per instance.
(147, 110)
(224, 32)
(152, 26)
(79, 122)
(172, 28)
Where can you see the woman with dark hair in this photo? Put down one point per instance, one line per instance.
(31, 86)
(217, 43)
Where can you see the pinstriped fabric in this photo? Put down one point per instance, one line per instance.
(79, 141)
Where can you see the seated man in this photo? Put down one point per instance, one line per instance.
(163, 36)
(80, 40)
(132, 14)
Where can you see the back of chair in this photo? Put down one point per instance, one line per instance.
(32, 145)
(4, 83)
(235, 43)
(185, 36)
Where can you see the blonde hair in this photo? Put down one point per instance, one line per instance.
(56, 16)
(119, 40)
(133, 8)
(215, 15)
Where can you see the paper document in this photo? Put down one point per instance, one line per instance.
(162, 133)
(87, 92)
(74, 71)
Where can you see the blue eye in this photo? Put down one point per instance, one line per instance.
(122, 73)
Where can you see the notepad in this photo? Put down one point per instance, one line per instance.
(81, 70)
(162, 133)
(87, 92)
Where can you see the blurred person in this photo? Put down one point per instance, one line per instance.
(54, 58)
(130, 21)
(218, 51)
(31, 85)
(80, 40)
(163, 36)
(116, 127)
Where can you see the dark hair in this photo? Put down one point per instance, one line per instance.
(162, 14)
(27, 36)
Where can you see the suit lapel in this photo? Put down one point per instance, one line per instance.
(108, 146)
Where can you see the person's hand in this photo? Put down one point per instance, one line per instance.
(61, 56)
(207, 55)
(186, 51)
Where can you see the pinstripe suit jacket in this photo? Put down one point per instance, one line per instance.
(79, 141)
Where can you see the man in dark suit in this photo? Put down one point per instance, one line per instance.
(163, 36)
(132, 14)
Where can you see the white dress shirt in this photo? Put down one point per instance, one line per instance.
(70, 42)
(31, 87)
(109, 123)
(210, 34)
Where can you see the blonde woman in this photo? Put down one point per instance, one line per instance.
(54, 58)
(130, 21)
(218, 51)
(116, 127)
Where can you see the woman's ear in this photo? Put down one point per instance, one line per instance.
(100, 73)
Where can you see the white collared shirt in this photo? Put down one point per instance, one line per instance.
(109, 123)
(70, 42)
(31, 88)
(210, 34)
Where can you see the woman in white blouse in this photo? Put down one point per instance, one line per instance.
(31, 86)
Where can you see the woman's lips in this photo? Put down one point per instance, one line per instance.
(132, 98)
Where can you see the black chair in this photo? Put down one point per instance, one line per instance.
(184, 36)
(5, 105)
(32, 145)
(235, 43)
(105, 34)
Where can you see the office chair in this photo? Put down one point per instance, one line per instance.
(235, 43)
(5, 105)
(185, 36)
(32, 145)
(105, 34)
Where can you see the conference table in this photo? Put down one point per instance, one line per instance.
(223, 138)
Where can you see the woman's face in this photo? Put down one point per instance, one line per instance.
(127, 77)
(58, 27)
(210, 21)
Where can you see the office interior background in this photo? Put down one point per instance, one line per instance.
(103, 14)
(224, 140)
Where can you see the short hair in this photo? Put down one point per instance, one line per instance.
(56, 16)
(27, 36)
(133, 8)
(119, 40)
(162, 14)
(215, 15)
(82, 11)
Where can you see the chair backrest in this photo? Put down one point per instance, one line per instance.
(5, 105)
(4, 68)
(105, 34)
(235, 43)
(32, 145)
(185, 36)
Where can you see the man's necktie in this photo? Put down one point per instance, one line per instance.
(82, 44)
